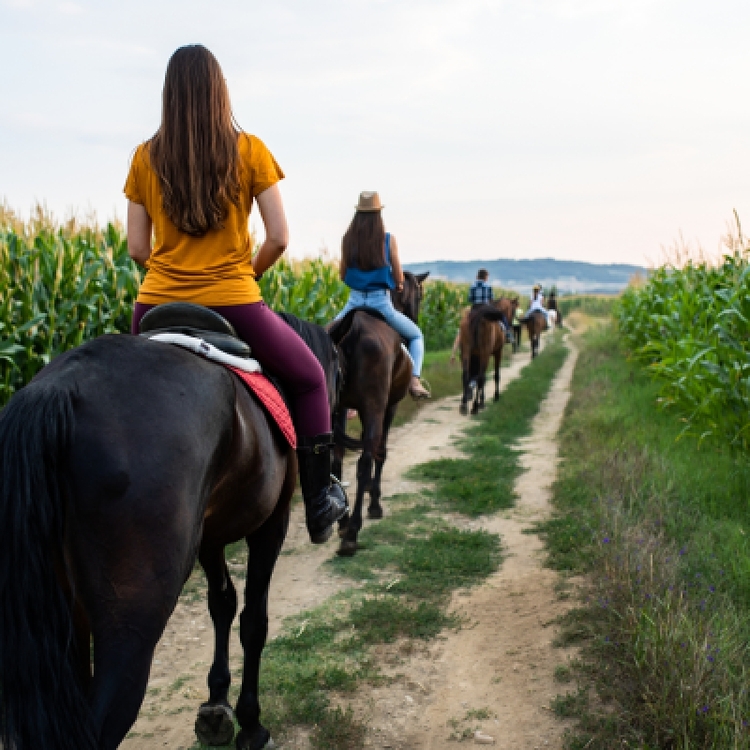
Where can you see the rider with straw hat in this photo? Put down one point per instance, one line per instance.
(537, 303)
(371, 268)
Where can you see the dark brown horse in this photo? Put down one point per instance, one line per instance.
(508, 307)
(552, 305)
(536, 324)
(480, 337)
(376, 374)
(122, 462)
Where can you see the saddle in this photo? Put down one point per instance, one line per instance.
(531, 313)
(197, 322)
(339, 328)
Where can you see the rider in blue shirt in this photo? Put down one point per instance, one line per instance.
(370, 267)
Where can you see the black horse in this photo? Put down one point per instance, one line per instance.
(552, 305)
(376, 375)
(122, 462)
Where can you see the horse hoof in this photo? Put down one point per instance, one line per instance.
(215, 724)
(463, 409)
(347, 548)
(375, 512)
(344, 524)
(260, 740)
(496, 397)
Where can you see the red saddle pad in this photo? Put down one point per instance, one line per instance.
(271, 399)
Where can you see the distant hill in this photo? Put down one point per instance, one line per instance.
(567, 275)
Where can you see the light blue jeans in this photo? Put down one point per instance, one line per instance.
(381, 301)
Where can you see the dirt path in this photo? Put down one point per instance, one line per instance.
(183, 656)
(496, 673)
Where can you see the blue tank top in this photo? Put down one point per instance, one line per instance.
(378, 278)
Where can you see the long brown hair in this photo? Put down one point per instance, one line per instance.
(363, 245)
(194, 153)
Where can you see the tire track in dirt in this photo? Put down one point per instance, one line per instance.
(177, 684)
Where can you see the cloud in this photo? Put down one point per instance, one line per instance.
(70, 9)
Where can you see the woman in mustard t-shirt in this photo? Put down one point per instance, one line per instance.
(191, 188)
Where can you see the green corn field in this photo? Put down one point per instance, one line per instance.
(61, 285)
(59, 288)
(691, 327)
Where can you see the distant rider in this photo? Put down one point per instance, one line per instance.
(480, 293)
(371, 268)
(537, 303)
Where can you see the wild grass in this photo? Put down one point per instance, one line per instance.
(595, 305)
(658, 526)
(483, 482)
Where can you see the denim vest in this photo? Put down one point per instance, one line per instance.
(378, 278)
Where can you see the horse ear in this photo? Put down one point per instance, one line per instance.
(420, 277)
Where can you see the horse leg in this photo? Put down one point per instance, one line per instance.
(375, 510)
(477, 394)
(339, 423)
(348, 545)
(371, 435)
(264, 546)
(464, 408)
(125, 636)
(215, 722)
(498, 363)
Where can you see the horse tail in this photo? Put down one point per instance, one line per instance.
(41, 701)
(473, 367)
(350, 443)
(475, 326)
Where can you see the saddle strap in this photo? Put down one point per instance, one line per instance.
(208, 351)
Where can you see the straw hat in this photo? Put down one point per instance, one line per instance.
(537, 288)
(369, 201)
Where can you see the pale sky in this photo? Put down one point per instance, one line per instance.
(578, 129)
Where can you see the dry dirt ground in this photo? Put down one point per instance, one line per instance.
(494, 674)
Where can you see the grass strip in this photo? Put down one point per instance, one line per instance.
(483, 481)
(658, 526)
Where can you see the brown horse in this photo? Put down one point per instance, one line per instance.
(508, 307)
(480, 337)
(376, 374)
(536, 324)
(122, 462)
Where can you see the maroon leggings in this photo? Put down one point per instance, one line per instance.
(284, 354)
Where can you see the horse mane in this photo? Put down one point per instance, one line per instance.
(316, 337)
(319, 342)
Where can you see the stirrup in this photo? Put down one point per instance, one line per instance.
(418, 396)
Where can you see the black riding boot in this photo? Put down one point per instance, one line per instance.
(325, 499)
